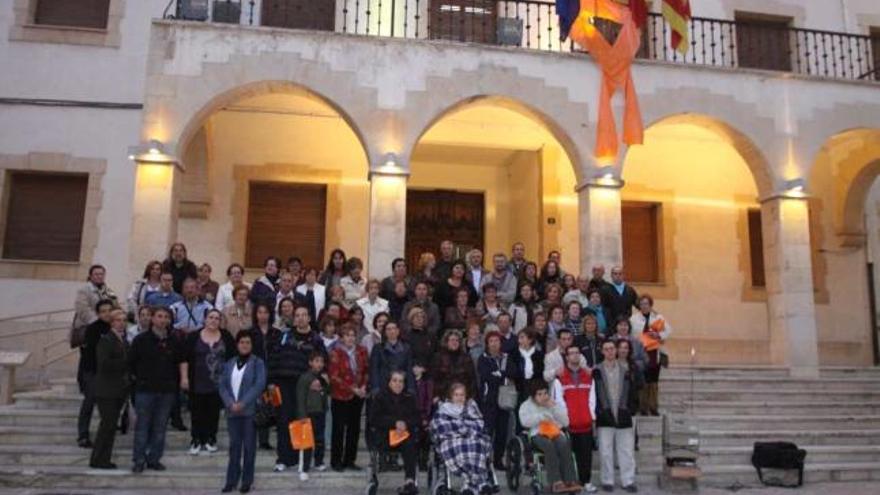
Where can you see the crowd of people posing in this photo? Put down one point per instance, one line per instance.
(449, 356)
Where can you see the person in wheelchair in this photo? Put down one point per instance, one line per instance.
(545, 419)
(461, 441)
(394, 421)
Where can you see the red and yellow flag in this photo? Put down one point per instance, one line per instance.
(678, 13)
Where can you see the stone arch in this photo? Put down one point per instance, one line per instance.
(758, 164)
(217, 101)
(854, 155)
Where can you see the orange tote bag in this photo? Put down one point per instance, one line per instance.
(302, 436)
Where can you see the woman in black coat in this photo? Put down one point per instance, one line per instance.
(391, 355)
(394, 408)
(202, 356)
(452, 364)
(492, 369)
(111, 387)
(521, 370)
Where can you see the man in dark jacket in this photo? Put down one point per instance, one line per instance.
(287, 352)
(87, 367)
(178, 265)
(394, 409)
(619, 297)
(613, 393)
(152, 361)
(111, 388)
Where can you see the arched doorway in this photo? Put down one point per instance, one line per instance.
(693, 237)
(273, 170)
(488, 172)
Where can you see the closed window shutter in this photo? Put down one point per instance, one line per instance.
(464, 20)
(756, 248)
(285, 220)
(763, 42)
(44, 220)
(641, 241)
(77, 13)
(300, 14)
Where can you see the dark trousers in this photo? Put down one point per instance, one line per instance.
(87, 388)
(242, 450)
(409, 451)
(109, 409)
(319, 424)
(205, 414)
(176, 418)
(286, 414)
(152, 409)
(582, 446)
(263, 435)
(346, 430)
(498, 430)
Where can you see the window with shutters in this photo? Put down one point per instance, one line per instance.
(464, 20)
(44, 216)
(73, 13)
(283, 220)
(763, 41)
(756, 248)
(300, 14)
(641, 241)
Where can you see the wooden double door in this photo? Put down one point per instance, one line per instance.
(433, 216)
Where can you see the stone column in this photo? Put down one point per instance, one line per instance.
(154, 221)
(789, 275)
(387, 221)
(600, 230)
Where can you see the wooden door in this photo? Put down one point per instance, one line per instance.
(464, 20)
(437, 215)
(763, 42)
(641, 242)
(285, 219)
(300, 14)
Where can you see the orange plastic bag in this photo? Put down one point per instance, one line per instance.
(302, 436)
(548, 429)
(650, 343)
(395, 438)
(273, 397)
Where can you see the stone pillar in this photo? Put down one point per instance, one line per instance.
(788, 265)
(387, 221)
(600, 231)
(154, 221)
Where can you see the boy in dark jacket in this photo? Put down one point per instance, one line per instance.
(312, 392)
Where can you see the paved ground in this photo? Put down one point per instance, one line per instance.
(872, 488)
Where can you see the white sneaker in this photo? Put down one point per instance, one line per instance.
(304, 476)
(194, 449)
(590, 488)
(320, 467)
(279, 467)
(210, 447)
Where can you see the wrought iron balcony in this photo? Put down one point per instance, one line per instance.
(533, 24)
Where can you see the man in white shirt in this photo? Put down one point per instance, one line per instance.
(372, 304)
(476, 272)
(554, 361)
(285, 289)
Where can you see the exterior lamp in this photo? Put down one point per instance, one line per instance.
(605, 177)
(390, 167)
(153, 151)
(795, 188)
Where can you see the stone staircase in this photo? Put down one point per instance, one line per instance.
(734, 408)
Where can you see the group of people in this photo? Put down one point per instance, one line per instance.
(447, 356)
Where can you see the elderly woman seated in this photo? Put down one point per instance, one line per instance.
(461, 441)
(544, 419)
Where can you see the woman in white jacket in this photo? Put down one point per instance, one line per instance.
(235, 276)
(652, 330)
(545, 418)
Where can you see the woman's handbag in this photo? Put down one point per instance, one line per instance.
(266, 414)
(508, 397)
(302, 436)
(664, 360)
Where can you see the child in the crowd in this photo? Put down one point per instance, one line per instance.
(424, 399)
(312, 392)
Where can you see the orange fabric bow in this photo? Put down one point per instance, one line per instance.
(616, 63)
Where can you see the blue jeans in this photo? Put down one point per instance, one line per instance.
(152, 410)
(242, 437)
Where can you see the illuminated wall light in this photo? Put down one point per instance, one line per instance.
(152, 152)
(605, 177)
(795, 188)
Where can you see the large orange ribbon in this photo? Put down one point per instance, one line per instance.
(616, 64)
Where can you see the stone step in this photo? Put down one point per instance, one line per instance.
(791, 408)
(734, 438)
(743, 393)
(816, 454)
(762, 422)
(736, 477)
(683, 383)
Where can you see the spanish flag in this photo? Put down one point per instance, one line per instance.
(678, 13)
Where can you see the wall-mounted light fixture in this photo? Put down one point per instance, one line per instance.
(390, 166)
(605, 177)
(795, 188)
(151, 152)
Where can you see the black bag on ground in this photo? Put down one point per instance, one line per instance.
(266, 415)
(779, 455)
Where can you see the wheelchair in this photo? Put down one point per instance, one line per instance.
(442, 482)
(376, 464)
(523, 460)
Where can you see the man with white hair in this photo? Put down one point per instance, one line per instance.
(475, 272)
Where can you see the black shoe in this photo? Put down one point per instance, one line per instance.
(245, 489)
(353, 467)
(138, 468)
(631, 488)
(267, 446)
(156, 466)
(179, 426)
(227, 489)
(608, 488)
(108, 465)
(408, 489)
(85, 443)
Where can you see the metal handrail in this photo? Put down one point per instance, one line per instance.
(33, 315)
(33, 332)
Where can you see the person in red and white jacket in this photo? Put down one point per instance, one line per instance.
(572, 387)
(348, 370)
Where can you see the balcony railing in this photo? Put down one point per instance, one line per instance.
(533, 24)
